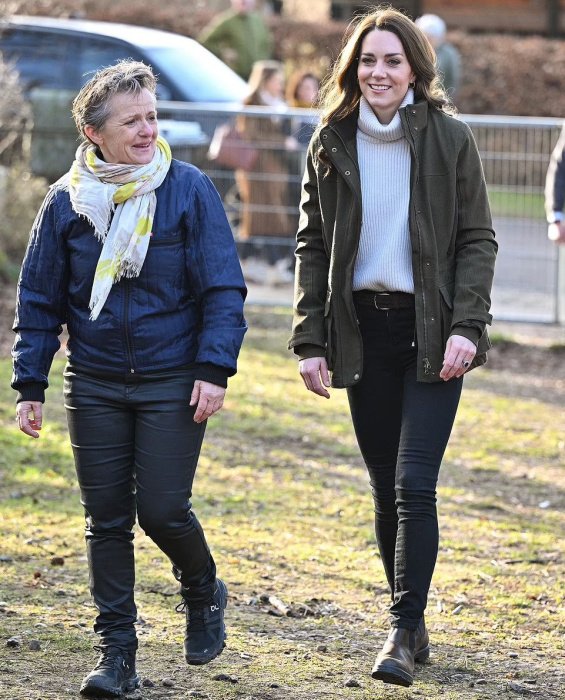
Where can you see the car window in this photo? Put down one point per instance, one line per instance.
(97, 53)
(49, 58)
(197, 75)
(41, 58)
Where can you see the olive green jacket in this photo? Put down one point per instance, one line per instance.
(239, 39)
(453, 244)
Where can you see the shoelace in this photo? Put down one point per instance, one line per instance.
(196, 616)
(108, 657)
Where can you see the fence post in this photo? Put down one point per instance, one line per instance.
(560, 305)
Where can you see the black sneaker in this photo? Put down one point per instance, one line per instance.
(205, 629)
(113, 675)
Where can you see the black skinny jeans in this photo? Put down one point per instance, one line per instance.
(136, 447)
(402, 427)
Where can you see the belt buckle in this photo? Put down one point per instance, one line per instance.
(377, 306)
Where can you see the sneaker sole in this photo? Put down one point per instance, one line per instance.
(93, 691)
(205, 660)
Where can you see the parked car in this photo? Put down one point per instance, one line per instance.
(55, 57)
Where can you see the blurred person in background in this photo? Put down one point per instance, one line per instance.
(394, 265)
(239, 36)
(132, 251)
(302, 91)
(448, 57)
(264, 191)
(555, 192)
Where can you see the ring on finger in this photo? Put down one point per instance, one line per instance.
(465, 363)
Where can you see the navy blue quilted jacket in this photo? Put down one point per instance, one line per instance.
(184, 310)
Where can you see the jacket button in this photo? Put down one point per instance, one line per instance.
(334, 150)
(356, 376)
(413, 111)
(433, 318)
(348, 172)
(415, 128)
(324, 136)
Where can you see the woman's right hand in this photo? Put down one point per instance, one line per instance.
(29, 415)
(315, 375)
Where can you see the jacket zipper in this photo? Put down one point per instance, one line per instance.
(129, 348)
(425, 360)
(356, 195)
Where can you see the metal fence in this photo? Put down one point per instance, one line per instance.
(515, 153)
(262, 203)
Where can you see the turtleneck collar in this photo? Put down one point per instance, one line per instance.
(369, 124)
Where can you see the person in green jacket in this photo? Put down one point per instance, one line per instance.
(239, 36)
(394, 265)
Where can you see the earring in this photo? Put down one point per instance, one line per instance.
(412, 84)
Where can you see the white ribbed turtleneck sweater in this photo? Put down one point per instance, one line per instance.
(384, 258)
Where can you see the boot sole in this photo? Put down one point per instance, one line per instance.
(387, 673)
(93, 691)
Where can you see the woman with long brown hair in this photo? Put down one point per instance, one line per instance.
(394, 264)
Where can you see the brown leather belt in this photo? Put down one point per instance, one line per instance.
(384, 301)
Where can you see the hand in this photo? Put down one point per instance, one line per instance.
(208, 399)
(26, 423)
(556, 232)
(291, 143)
(459, 353)
(315, 375)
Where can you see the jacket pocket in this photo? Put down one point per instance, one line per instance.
(446, 310)
(328, 331)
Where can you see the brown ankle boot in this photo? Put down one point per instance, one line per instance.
(395, 663)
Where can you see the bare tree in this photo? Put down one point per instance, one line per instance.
(15, 114)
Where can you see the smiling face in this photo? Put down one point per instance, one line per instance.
(307, 90)
(130, 133)
(384, 73)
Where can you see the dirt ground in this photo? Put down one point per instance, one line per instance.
(331, 642)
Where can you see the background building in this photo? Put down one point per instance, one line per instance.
(519, 16)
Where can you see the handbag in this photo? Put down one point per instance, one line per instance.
(229, 149)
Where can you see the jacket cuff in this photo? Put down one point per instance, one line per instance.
(31, 391)
(472, 333)
(207, 372)
(307, 350)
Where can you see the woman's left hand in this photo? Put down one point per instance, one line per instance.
(208, 399)
(459, 353)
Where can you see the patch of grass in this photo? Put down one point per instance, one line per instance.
(516, 204)
(284, 499)
(497, 338)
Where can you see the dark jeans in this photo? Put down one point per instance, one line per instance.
(136, 448)
(402, 427)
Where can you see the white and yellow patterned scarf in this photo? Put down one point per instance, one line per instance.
(97, 189)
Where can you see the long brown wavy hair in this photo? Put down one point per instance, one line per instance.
(340, 93)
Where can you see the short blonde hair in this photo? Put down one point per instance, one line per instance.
(91, 105)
